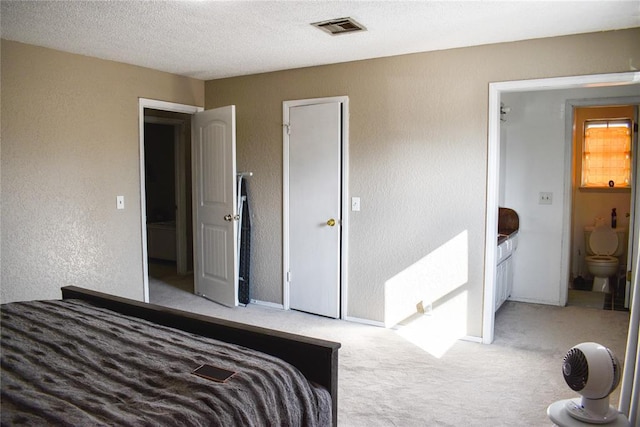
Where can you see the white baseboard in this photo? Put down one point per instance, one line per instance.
(534, 301)
(356, 319)
(471, 338)
(267, 304)
(364, 321)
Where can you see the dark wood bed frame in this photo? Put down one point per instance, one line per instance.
(317, 359)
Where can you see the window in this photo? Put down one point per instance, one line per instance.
(606, 158)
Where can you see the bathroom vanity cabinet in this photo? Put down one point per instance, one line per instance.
(508, 226)
(161, 240)
(504, 271)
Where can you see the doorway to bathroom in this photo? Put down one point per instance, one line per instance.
(538, 176)
(530, 154)
(602, 195)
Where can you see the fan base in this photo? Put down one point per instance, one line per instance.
(590, 411)
(559, 415)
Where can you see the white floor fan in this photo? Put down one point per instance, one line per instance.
(594, 372)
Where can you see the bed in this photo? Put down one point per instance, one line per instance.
(97, 359)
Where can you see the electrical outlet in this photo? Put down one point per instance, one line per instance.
(545, 198)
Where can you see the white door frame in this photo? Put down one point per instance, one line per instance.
(493, 170)
(164, 106)
(344, 230)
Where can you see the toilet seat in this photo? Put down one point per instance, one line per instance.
(601, 259)
(603, 241)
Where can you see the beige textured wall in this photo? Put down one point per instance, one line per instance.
(418, 151)
(69, 146)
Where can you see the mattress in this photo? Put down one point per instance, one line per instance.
(70, 363)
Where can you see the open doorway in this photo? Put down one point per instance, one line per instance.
(169, 230)
(176, 122)
(540, 158)
(214, 213)
(549, 172)
(602, 198)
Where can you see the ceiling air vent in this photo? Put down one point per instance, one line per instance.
(339, 26)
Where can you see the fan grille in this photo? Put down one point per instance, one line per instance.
(575, 369)
(616, 371)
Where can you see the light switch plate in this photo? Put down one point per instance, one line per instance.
(355, 204)
(120, 202)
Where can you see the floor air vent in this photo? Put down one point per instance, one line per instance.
(339, 26)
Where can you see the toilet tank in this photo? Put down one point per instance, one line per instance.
(622, 240)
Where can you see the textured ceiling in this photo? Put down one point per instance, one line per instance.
(214, 39)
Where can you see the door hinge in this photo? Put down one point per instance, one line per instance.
(289, 276)
(629, 276)
(635, 127)
(288, 127)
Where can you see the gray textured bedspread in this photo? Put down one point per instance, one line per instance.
(70, 363)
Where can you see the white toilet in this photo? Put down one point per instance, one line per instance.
(604, 245)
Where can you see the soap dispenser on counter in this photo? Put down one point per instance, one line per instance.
(614, 218)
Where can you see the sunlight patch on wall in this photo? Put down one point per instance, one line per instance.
(438, 331)
(427, 280)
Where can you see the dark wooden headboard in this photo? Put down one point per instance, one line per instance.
(317, 359)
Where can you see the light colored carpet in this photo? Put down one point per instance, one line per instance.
(386, 380)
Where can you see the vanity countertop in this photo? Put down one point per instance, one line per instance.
(504, 237)
(508, 224)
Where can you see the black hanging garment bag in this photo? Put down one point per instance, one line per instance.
(244, 295)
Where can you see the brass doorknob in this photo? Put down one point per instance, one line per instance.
(331, 222)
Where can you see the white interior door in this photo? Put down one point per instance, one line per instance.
(314, 215)
(214, 199)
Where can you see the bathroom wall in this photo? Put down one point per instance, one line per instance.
(533, 161)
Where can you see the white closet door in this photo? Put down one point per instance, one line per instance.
(314, 207)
